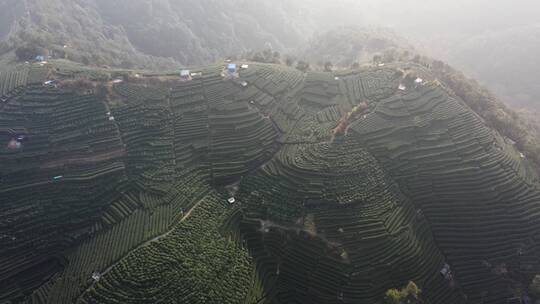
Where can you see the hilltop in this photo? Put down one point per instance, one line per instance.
(265, 184)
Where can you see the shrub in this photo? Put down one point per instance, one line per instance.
(393, 296)
(408, 294)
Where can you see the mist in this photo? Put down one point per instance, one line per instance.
(494, 42)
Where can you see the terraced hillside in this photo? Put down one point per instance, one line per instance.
(118, 191)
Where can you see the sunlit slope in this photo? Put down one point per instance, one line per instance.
(125, 179)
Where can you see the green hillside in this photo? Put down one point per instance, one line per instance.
(115, 186)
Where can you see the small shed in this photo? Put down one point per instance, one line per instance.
(96, 276)
(446, 272)
(402, 87)
(244, 66)
(231, 68)
(231, 200)
(185, 74)
(58, 177)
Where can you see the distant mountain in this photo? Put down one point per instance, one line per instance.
(68, 29)
(195, 32)
(144, 33)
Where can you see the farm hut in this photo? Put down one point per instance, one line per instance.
(446, 272)
(96, 276)
(231, 68)
(231, 200)
(185, 75)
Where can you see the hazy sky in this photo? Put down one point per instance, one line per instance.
(460, 16)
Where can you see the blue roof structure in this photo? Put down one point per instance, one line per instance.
(231, 67)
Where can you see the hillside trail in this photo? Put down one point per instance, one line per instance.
(155, 239)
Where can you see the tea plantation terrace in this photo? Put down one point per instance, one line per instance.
(115, 188)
